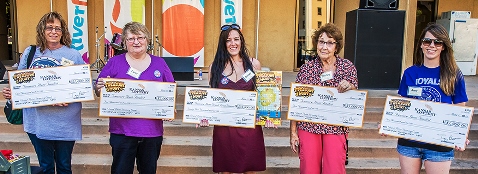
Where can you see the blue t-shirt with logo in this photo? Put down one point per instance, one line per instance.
(53, 122)
(428, 79)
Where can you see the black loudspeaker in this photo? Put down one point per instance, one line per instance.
(374, 43)
(181, 67)
(379, 4)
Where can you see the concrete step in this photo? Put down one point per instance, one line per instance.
(178, 128)
(201, 146)
(101, 163)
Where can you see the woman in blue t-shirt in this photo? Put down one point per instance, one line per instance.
(436, 75)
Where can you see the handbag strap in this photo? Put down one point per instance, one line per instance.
(33, 48)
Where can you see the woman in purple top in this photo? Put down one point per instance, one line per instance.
(135, 137)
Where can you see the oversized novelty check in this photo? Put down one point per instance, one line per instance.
(326, 105)
(225, 107)
(431, 122)
(137, 99)
(48, 86)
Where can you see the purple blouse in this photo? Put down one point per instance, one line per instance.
(158, 70)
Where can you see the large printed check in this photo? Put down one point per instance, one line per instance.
(225, 107)
(326, 105)
(431, 122)
(48, 86)
(137, 99)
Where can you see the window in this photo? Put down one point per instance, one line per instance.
(319, 23)
(319, 11)
(303, 10)
(303, 24)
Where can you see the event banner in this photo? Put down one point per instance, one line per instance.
(231, 12)
(78, 26)
(431, 122)
(226, 107)
(119, 12)
(48, 86)
(183, 30)
(137, 99)
(269, 91)
(318, 104)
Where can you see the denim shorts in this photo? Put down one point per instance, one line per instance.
(425, 154)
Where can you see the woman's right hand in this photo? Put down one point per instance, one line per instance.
(7, 93)
(378, 127)
(203, 123)
(100, 84)
(294, 142)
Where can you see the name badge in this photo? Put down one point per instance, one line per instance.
(66, 62)
(414, 91)
(326, 76)
(248, 75)
(133, 73)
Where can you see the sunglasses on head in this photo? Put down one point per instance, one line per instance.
(234, 26)
(428, 42)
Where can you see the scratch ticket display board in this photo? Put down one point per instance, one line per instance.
(269, 91)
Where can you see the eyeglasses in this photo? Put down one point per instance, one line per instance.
(328, 44)
(428, 42)
(140, 39)
(226, 27)
(57, 29)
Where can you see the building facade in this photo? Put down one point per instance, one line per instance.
(276, 32)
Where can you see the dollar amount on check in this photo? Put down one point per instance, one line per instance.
(225, 107)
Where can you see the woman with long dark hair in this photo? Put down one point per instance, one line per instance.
(433, 60)
(235, 150)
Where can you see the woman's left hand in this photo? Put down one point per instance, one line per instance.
(344, 86)
(466, 143)
(270, 124)
(61, 104)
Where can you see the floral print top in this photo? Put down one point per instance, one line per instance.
(310, 74)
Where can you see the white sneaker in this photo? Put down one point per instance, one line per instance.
(15, 65)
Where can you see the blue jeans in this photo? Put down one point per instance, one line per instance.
(425, 154)
(126, 149)
(50, 152)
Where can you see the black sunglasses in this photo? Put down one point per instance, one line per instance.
(428, 41)
(226, 27)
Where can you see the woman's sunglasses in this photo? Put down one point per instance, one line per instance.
(234, 26)
(428, 41)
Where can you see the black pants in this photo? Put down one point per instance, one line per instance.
(126, 149)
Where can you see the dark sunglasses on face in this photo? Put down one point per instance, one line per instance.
(226, 27)
(428, 42)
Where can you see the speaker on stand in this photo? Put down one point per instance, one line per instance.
(374, 43)
(379, 4)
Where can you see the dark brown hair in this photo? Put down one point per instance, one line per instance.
(448, 68)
